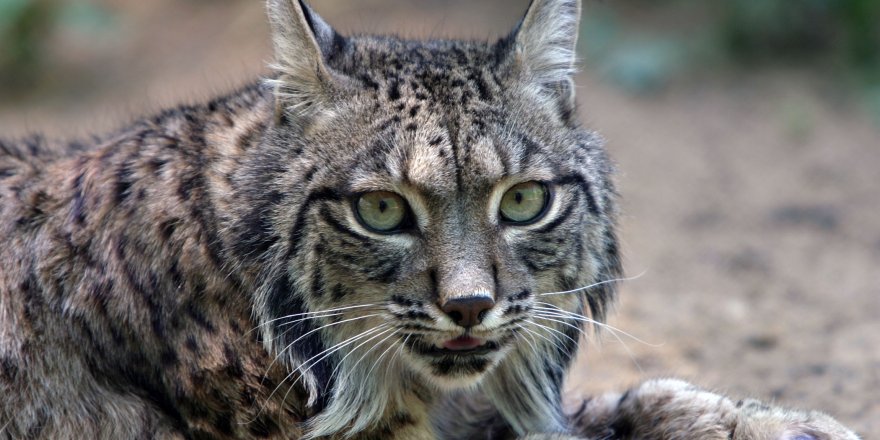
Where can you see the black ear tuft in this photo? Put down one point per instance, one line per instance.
(329, 41)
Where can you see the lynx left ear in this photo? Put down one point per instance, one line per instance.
(544, 45)
(304, 85)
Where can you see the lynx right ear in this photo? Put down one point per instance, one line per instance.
(304, 85)
(544, 46)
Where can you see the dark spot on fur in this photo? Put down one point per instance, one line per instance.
(577, 179)
(254, 231)
(435, 292)
(35, 214)
(417, 315)
(250, 137)
(521, 295)
(393, 90)
(155, 164)
(168, 358)
(388, 273)
(192, 345)
(339, 292)
(623, 427)
(78, 208)
(368, 82)
(198, 316)
(307, 176)
(234, 367)
(167, 228)
(560, 219)
(403, 419)
(298, 229)
(401, 300)
(482, 87)
(318, 282)
(328, 218)
(8, 369)
(263, 427)
(124, 181)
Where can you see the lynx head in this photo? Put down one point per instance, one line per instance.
(415, 203)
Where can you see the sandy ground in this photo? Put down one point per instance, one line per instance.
(757, 232)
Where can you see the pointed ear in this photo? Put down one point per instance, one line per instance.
(304, 86)
(544, 45)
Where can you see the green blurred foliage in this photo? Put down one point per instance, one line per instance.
(24, 25)
(642, 45)
(26, 31)
(849, 29)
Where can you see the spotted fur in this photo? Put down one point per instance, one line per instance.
(202, 273)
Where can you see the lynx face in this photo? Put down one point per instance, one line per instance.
(440, 191)
(449, 219)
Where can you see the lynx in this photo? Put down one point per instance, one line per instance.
(384, 239)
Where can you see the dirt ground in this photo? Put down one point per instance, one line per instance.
(751, 202)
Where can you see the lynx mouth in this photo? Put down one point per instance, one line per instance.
(460, 361)
(458, 347)
(462, 343)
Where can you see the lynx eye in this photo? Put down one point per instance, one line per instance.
(381, 211)
(524, 203)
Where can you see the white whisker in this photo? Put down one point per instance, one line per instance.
(390, 346)
(397, 354)
(299, 368)
(315, 330)
(353, 367)
(629, 352)
(590, 286)
(553, 343)
(528, 341)
(545, 317)
(589, 320)
(337, 348)
(553, 331)
(350, 352)
(318, 312)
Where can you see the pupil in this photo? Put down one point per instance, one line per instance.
(383, 205)
(518, 197)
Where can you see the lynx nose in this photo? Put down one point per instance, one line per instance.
(468, 311)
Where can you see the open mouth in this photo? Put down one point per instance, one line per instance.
(463, 343)
(462, 346)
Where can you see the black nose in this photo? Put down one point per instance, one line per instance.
(468, 311)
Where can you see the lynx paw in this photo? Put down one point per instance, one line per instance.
(759, 421)
(674, 409)
(658, 409)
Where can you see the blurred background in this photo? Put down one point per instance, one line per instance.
(747, 133)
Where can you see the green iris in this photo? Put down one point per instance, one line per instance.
(524, 202)
(382, 211)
